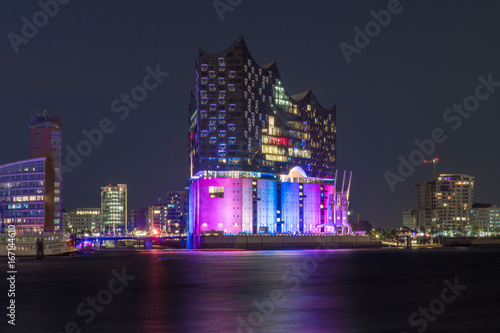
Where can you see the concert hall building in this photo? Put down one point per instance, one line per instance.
(261, 159)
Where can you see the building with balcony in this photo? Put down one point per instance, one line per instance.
(453, 202)
(485, 218)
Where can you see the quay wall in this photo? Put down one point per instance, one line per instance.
(282, 242)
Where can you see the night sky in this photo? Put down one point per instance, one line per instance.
(394, 90)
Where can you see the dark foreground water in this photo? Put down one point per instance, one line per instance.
(287, 291)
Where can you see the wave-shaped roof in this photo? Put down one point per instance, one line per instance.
(306, 96)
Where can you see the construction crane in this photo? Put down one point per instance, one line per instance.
(434, 162)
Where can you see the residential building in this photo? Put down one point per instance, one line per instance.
(485, 217)
(453, 199)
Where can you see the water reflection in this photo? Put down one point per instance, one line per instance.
(269, 291)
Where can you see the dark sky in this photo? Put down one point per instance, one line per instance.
(394, 91)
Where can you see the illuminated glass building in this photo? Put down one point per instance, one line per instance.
(261, 160)
(27, 195)
(114, 209)
(242, 118)
(46, 142)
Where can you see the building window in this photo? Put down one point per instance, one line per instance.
(216, 192)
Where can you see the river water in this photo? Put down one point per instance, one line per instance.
(387, 290)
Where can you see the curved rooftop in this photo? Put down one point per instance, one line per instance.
(306, 96)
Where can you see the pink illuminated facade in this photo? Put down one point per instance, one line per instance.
(257, 203)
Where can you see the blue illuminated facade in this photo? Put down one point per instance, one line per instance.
(27, 195)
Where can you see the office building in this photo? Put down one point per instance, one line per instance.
(410, 218)
(261, 160)
(45, 141)
(114, 209)
(27, 195)
(83, 220)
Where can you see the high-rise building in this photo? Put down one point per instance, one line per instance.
(243, 119)
(426, 206)
(453, 198)
(83, 220)
(177, 210)
(27, 195)
(261, 160)
(114, 209)
(485, 217)
(410, 218)
(46, 142)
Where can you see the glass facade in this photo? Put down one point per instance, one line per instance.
(241, 117)
(27, 195)
(114, 209)
(261, 160)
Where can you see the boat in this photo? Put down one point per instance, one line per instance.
(54, 244)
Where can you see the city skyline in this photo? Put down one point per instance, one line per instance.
(382, 105)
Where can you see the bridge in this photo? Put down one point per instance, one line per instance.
(147, 241)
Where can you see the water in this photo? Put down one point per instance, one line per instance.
(313, 291)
